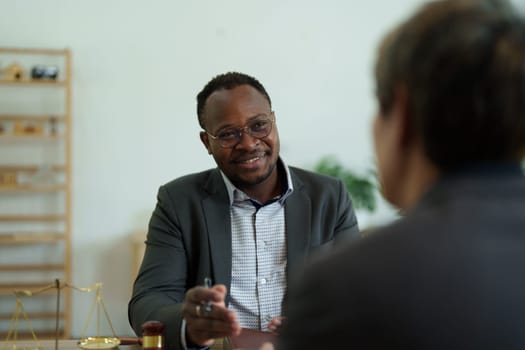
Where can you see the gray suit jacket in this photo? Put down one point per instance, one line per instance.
(189, 238)
(449, 275)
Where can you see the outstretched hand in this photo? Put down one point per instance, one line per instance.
(203, 325)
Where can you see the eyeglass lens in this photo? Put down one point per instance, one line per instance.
(257, 128)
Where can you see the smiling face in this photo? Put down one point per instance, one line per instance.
(250, 164)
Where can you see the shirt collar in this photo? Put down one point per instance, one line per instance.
(235, 194)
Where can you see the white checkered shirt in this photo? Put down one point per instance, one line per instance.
(258, 280)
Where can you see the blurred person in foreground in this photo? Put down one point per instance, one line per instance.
(246, 224)
(449, 140)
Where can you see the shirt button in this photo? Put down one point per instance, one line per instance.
(263, 280)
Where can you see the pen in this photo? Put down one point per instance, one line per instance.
(207, 305)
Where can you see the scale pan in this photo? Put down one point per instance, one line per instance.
(90, 343)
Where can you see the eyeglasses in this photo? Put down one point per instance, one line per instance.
(259, 128)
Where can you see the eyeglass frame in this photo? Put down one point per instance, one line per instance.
(244, 130)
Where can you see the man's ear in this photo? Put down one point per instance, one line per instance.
(205, 141)
(403, 117)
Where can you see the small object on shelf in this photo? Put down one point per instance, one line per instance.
(2, 128)
(44, 72)
(8, 179)
(14, 72)
(53, 126)
(44, 175)
(28, 128)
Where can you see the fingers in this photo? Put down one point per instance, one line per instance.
(203, 326)
(200, 295)
(205, 302)
(221, 322)
(216, 311)
(275, 324)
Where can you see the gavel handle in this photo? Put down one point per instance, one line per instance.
(149, 328)
(130, 341)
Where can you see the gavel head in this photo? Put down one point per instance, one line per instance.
(152, 337)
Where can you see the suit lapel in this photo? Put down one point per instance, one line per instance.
(217, 216)
(297, 215)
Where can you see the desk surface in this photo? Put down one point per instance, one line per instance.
(70, 344)
(248, 340)
(251, 339)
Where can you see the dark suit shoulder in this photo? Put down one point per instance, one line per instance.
(462, 218)
(191, 182)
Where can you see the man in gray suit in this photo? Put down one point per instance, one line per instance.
(449, 139)
(246, 225)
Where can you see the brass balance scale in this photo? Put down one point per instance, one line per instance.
(85, 342)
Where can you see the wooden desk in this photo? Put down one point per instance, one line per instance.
(70, 344)
(251, 340)
(248, 340)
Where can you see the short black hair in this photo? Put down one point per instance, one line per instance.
(227, 81)
(462, 63)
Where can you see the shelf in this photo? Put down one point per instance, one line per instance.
(33, 51)
(30, 238)
(35, 119)
(34, 316)
(34, 82)
(32, 118)
(31, 267)
(16, 138)
(30, 168)
(28, 188)
(32, 218)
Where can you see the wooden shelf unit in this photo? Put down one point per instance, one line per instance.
(27, 228)
(33, 82)
(33, 217)
(17, 238)
(32, 267)
(29, 168)
(23, 138)
(33, 188)
(34, 51)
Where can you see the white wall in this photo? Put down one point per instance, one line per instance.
(137, 68)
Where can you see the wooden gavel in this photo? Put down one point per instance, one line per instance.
(152, 337)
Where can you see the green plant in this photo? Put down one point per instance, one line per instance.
(361, 188)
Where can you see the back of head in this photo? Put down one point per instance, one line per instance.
(462, 63)
(226, 81)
